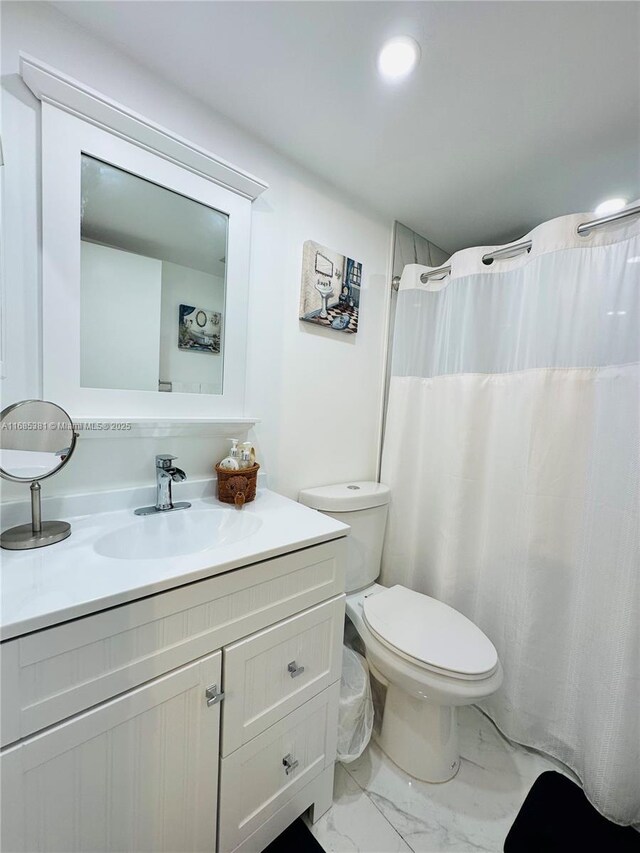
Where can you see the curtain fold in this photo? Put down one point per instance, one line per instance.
(512, 448)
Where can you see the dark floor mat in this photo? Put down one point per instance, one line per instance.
(556, 817)
(295, 839)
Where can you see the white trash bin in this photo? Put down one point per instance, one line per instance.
(355, 721)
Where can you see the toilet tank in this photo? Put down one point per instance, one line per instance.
(363, 506)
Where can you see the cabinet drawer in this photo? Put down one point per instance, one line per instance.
(273, 672)
(254, 782)
(54, 673)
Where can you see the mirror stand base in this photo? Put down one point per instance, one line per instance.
(23, 537)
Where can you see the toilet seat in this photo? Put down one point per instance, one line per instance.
(429, 633)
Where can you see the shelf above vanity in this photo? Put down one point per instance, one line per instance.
(96, 427)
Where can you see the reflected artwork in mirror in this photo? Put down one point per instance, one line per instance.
(153, 285)
(36, 440)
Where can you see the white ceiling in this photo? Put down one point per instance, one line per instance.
(518, 111)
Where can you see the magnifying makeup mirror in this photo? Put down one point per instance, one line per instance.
(36, 441)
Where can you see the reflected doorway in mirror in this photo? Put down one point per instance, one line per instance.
(199, 329)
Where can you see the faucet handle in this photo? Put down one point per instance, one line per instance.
(164, 460)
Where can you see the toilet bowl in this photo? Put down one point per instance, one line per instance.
(430, 658)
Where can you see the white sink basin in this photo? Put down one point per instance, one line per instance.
(176, 534)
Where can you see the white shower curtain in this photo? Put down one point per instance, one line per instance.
(512, 449)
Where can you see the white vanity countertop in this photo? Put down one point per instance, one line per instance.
(45, 586)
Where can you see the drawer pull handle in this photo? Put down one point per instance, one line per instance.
(289, 763)
(294, 669)
(213, 696)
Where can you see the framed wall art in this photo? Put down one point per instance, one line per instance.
(330, 289)
(199, 329)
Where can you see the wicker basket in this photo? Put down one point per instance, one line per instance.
(237, 487)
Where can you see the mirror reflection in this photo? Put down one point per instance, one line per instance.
(153, 279)
(36, 438)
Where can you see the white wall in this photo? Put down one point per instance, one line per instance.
(189, 371)
(306, 384)
(119, 318)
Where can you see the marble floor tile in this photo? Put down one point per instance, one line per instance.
(354, 823)
(473, 811)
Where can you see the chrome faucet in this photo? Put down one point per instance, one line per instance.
(166, 474)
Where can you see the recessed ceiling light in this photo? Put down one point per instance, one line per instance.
(611, 205)
(398, 57)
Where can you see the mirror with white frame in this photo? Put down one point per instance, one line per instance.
(152, 289)
(145, 262)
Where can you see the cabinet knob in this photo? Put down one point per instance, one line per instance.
(295, 670)
(213, 695)
(289, 763)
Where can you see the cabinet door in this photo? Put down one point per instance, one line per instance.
(138, 773)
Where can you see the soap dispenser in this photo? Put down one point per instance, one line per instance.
(247, 455)
(232, 461)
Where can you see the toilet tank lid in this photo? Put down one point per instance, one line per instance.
(346, 497)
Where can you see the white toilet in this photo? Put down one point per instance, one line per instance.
(430, 658)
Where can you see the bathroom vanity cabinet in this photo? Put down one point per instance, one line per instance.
(202, 718)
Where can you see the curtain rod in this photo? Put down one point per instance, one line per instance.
(525, 246)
